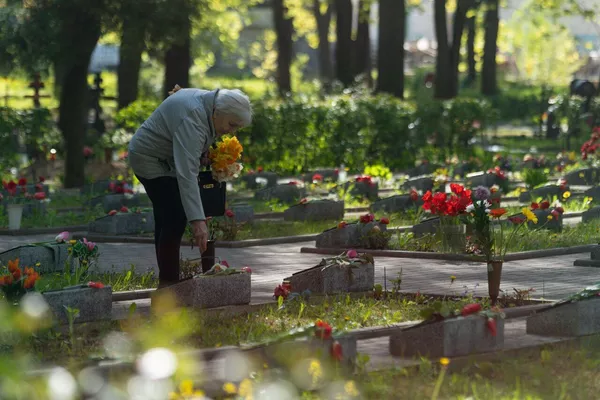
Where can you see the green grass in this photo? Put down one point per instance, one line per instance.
(118, 281)
(558, 372)
(54, 219)
(267, 229)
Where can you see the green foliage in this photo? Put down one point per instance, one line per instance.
(372, 130)
(534, 177)
(132, 116)
(378, 171)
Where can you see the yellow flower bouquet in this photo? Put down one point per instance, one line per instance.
(224, 159)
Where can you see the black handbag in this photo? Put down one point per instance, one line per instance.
(213, 194)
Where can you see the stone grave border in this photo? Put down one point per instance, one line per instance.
(43, 231)
(208, 355)
(524, 255)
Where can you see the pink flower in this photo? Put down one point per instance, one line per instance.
(247, 270)
(224, 263)
(90, 245)
(352, 254)
(62, 237)
(87, 151)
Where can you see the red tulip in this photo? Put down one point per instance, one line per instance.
(491, 325)
(323, 330)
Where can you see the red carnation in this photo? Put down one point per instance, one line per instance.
(11, 186)
(22, 182)
(535, 206)
(229, 214)
(317, 177)
(124, 209)
(384, 221)
(470, 309)
(544, 205)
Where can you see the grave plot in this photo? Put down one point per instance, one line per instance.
(365, 234)
(90, 302)
(123, 223)
(288, 194)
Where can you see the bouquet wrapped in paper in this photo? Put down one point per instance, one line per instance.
(224, 159)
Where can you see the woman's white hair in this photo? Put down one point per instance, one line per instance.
(235, 104)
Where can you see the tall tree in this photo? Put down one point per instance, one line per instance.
(322, 12)
(362, 53)
(343, 46)
(390, 57)
(448, 54)
(284, 29)
(471, 62)
(489, 85)
(135, 16)
(178, 58)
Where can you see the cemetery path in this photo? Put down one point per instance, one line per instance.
(552, 277)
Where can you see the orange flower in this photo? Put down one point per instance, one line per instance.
(17, 274)
(31, 280)
(13, 265)
(497, 212)
(8, 279)
(29, 271)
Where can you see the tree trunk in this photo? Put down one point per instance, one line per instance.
(178, 60)
(443, 75)
(362, 59)
(471, 65)
(390, 54)
(489, 85)
(343, 47)
(458, 27)
(284, 29)
(324, 51)
(73, 109)
(130, 61)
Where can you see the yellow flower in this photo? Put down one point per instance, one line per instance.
(452, 278)
(566, 194)
(186, 387)
(581, 174)
(444, 361)
(37, 264)
(550, 217)
(72, 241)
(229, 388)
(530, 215)
(315, 370)
(246, 389)
(347, 318)
(350, 389)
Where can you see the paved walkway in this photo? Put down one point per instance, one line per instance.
(552, 277)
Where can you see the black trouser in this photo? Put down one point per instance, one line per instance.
(169, 224)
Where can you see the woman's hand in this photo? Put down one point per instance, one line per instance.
(200, 230)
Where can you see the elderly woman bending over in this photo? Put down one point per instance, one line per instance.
(165, 155)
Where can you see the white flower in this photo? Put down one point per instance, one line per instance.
(470, 208)
(487, 210)
(496, 187)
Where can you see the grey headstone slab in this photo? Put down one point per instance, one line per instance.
(123, 223)
(583, 177)
(580, 318)
(452, 337)
(393, 204)
(422, 169)
(593, 192)
(363, 189)
(429, 226)
(318, 210)
(210, 291)
(243, 212)
(93, 304)
(333, 278)
(481, 179)
(591, 214)
(52, 257)
(351, 236)
(422, 183)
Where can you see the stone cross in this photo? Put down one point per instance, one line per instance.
(36, 85)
